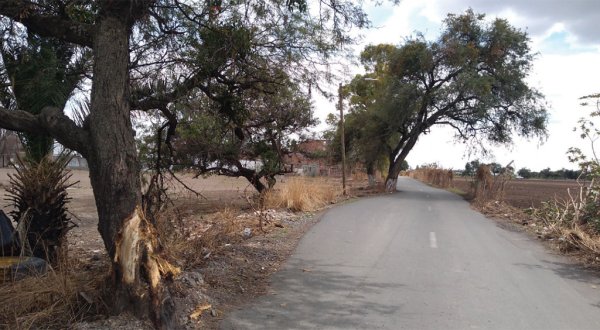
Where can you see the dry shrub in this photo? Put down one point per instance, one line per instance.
(434, 176)
(301, 194)
(488, 187)
(484, 181)
(54, 300)
(188, 243)
(579, 239)
(358, 175)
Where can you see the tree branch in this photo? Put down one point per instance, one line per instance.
(47, 25)
(50, 121)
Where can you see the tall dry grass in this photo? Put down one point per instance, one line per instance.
(434, 176)
(487, 187)
(302, 194)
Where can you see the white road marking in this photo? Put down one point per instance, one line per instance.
(432, 240)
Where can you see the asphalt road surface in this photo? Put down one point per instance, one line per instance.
(421, 259)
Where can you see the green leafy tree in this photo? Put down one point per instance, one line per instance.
(40, 72)
(472, 78)
(525, 173)
(148, 55)
(471, 167)
(254, 148)
(495, 168)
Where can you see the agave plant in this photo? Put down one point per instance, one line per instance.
(38, 193)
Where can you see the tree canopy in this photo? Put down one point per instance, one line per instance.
(152, 55)
(471, 78)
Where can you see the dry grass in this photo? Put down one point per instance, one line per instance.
(301, 194)
(359, 175)
(485, 187)
(53, 300)
(187, 240)
(434, 176)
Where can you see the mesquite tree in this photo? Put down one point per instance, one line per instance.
(148, 54)
(472, 78)
(210, 143)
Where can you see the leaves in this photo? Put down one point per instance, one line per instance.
(471, 78)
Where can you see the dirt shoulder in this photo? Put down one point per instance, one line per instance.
(215, 238)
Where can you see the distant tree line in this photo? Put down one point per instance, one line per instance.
(547, 173)
(525, 173)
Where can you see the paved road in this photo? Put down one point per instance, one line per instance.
(421, 259)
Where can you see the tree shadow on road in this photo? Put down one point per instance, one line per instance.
(316, 297)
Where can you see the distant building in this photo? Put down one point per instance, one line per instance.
(10, 147)
(310, 158)
(313, 147)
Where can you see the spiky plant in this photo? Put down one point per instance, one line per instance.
(38, 193)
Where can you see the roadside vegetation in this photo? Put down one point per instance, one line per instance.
(567, 216)
(171, 94)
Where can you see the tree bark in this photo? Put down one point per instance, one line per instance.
(371, 174)
(253, 178)
(130, 240)
(107, 141)
(396, 163)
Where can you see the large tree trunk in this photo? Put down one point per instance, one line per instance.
(253, 178)
(371, 174)
(396, 163)
(391, 180)
(130, 240)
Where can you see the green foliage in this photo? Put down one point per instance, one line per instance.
(38, 194)
(471, 78)
(525, 173)
(233, 63)
(41, 72)
(211, 143)
(404, 166)
(471, 167)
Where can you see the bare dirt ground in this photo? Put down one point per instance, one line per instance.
(223, 271)
(216, 193)
(523, 193)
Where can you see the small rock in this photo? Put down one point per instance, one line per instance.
(247, 233)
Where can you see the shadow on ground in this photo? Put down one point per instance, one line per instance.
(328, 298)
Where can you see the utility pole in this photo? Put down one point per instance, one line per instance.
(341, 106)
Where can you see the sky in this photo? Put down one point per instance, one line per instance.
(565, 37)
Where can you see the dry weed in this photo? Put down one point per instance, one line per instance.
(488, 187)
(189, 243)
(359, 175)
(434, 176)
(54, 300)
(301, 194)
